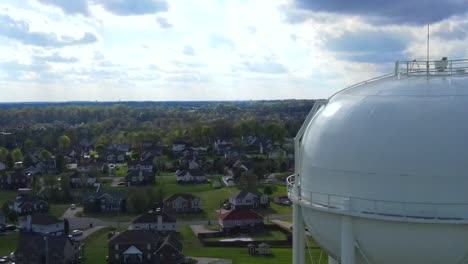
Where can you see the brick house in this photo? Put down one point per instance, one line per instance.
(35, 248)
(169, 251)
(248, 199)
(182, 203)
(240, 220)
(133, 246)
(159, 221)
(14, 181)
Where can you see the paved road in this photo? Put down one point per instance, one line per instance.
(69, 213)
(115, 180)
(88, 232)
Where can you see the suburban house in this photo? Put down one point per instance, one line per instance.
(179, 146)
(133, 246)
(248, 199)
(115, 157)
(182, 203)
(25, 204)
(190, 176)
(159, 221)
(35, 248)
(43, 224)
(240, 220)
(169, 251)
(77, 180)
(141, 164)
(282, 199)
(104, 201)
(119, 147)
(14, 181)
(139, 177)
(222, 146)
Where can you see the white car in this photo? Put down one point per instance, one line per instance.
(73, 206)
(76, 233)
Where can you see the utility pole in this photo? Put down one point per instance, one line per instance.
(46, 250)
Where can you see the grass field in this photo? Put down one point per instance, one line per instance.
(57, 210)
(8, 243)
(95, 248)
(212, 198)
(7, 196)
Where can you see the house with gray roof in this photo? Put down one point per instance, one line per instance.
(158, 221)
(248, 199)
(182, 203)
(104, 201)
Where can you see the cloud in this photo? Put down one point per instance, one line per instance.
(188, 50)
(69, 7)
(369, 46)
(163, 22)
(134, 7)
(218, 41)
(415, 12)
(57, 58)
(19, 30)
(270, 67)
(452, 30)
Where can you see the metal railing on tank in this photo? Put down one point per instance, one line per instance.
(440, 212)
(443, 67)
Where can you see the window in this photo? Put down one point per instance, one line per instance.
(117, 256)
(148, 247)
(116, 247)
(149, 256)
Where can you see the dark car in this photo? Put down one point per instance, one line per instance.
(10, 227)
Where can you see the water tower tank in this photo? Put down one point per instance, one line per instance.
(382, 169)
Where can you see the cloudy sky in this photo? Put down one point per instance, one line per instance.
(109, 50)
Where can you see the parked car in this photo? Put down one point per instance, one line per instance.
(121, 184)
(10, 227)
(12, 256)
(73, 206)
(76, 233)
(286, 203)
(4, 259)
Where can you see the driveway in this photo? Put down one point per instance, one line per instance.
(88, 232)
(69, 213)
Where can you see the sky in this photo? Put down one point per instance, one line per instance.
(160, 50)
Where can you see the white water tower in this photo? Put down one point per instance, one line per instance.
(382, 169)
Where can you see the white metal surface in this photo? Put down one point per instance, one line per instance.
(391, 156)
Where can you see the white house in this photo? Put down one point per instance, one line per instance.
(190, 176)
(248, 199)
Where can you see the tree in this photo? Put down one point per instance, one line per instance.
(65, 187)
(45, 155)
(3, 154)
(17, 155)
(60, 162)
(63, 142)
(249, 179)
(66, 226)
(268, 190)
(9, 161)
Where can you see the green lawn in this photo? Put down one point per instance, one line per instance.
(57, 210)
(95, 248)
(212, 198)
(266, 235)
(7, 196)
(8, 243)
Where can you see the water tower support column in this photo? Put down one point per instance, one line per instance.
(348, 251)
(298, 235)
